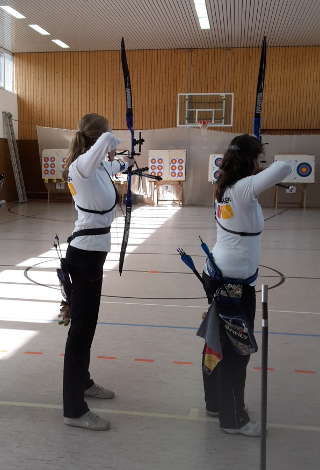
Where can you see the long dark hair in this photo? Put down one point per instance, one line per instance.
(239, 161)
(91, 126)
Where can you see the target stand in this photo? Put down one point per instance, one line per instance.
(156, 192)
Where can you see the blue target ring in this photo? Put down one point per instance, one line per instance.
(216, 175)
(218, 162)
(304, 169)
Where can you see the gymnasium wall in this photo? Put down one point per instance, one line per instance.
(55, 89)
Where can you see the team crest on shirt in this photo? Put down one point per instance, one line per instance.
(224, 211)
(71, 187)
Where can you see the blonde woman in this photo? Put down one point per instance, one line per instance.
(89, 172)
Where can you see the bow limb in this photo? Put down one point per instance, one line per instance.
(260, 90)
(134, 142)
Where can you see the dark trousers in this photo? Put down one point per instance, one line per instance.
(86, 270)
(224, 387)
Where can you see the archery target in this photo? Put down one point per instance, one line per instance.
(169, 164)
(302, 168)
(215, 161)
(177, 165)
(156, 166)
(53, 163)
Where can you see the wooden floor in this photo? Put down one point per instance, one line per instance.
(146, 348)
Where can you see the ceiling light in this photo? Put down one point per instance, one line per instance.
(60, 43)
(40, 30)
(202, 13)
(12, 11)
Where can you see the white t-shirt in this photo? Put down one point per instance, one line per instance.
(239, 256)
(91, 188)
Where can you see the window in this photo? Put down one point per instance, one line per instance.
(1, 70)
(6, 70)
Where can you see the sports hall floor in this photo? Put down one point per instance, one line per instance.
(146, 348)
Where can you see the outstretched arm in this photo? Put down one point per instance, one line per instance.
(270, 176)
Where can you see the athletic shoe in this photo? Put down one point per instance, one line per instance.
(250, 429)
(97, 391)
(88, 421)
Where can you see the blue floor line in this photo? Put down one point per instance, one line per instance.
(175, 327)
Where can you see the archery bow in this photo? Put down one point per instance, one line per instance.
(132, 152)
(259, 101)
(260, 89)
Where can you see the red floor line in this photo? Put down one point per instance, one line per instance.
(110, 358)
(183, 363)
(301, 371)
(143, 360)
(33, 352)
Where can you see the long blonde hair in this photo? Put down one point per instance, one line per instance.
(91, 126)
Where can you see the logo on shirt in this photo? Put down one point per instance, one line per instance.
(72, 189)
(224, 211)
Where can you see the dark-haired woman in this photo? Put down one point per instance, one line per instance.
(237, 250)
(90, 167)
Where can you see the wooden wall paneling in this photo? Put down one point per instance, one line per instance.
(74, 84)
(101, 81)
(55, 89)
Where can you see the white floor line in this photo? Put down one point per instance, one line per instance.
(198, 306)
(194, 415)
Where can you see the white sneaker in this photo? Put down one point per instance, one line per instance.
(250, 429)
(97, 391)
(88, 421)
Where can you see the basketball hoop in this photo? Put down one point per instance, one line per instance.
(203, 124)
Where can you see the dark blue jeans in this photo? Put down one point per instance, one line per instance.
(86, 270)
(224, 387)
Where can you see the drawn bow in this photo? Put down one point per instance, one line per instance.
(259, 101)
(260, 90)
(131, 154)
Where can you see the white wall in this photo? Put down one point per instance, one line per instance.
(8, 103)
(197, 189)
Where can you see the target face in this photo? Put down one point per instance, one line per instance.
(53, 163)
(304, 169)
(169, 164)
(215, 161)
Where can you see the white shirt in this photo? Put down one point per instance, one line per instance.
(91, 188)
(239, 256)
